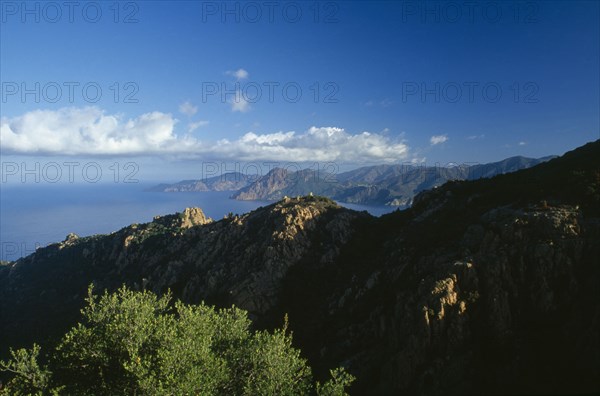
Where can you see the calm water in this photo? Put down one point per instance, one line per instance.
(32, 216)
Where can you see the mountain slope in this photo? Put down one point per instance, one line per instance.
(486, 286)
(236, 260)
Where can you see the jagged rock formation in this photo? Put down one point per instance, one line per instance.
(188, 218)
(482, 287)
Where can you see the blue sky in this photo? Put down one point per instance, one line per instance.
(380, 82)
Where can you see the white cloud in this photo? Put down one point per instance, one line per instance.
(317, 144)
(192, 126)
(438, 139)
(239, 74)
(239, 103)
(90, 131)
(522, 143)
(188, 109)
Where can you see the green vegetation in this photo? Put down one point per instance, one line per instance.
(135, 343)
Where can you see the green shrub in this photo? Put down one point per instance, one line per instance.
(135, 343)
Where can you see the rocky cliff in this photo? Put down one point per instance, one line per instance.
(482, 287)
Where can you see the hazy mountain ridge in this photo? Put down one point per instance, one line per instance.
(394, 185)
(486, 286)
(375, 185)
(232, 181)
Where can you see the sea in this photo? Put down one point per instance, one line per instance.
(33, 216)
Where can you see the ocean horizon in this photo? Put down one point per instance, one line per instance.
(33, 216)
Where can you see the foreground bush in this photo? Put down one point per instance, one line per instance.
(135, 343)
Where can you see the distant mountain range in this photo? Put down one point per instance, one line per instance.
(394, 185)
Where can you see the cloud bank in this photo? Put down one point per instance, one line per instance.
(316, 144)
(90, 131)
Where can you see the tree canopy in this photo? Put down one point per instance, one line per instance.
(136, 343)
